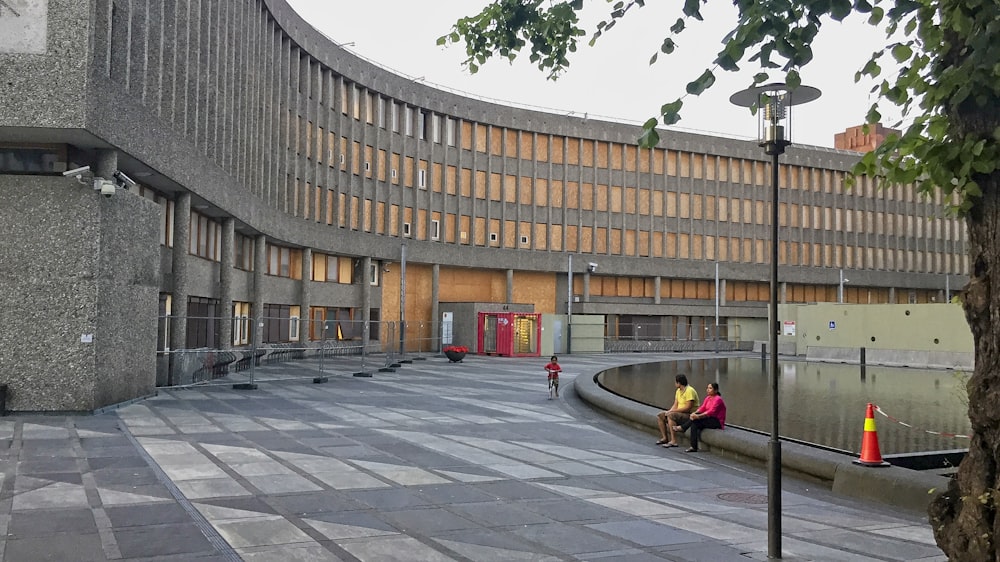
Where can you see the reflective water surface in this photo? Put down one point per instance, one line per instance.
(819, 403)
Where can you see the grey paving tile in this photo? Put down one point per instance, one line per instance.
(499, 514)
(448, 494)
(514, 490)
(389, 499)
(567, 510)
(143, 515)
(99, 463)
(315, 503)
(427, 521)
(77, 547)
(647, 533)
(148, 541)
(567, 538)
(40, 523)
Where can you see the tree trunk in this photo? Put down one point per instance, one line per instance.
(964, 518)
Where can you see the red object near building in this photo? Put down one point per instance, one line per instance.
(510, 334)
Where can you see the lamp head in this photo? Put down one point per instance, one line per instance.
(772, 103)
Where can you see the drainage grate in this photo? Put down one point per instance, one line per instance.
(743, 497)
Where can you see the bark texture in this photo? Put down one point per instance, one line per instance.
(964, 518)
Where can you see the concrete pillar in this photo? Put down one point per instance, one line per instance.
(366, 299)
(510, 286)
(436, 306)
(226, 283)
(656, 289)
(722, 292)
(259, 269)
(586, 287)
(179, 274)
(305, 295)
(107, 164)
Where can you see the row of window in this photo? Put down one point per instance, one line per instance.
(319, 144)
(319, 204)
(281, 323)
(740, 291)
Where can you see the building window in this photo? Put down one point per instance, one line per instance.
(524, 240)
(32, 160)
(408, 121)
(381, 112)
(406, 229)
(494, 237)
(373, 274)
(328, 323)
(435, 229)
(326, 268)
(205, 239)
(163, 326)
(279, 326)
(422, 178)
(435, 128)
(243, 254)
(284, 262)
(202, 323)
(449, 131)
(241, 323)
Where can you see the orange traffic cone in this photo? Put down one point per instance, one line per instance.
(870, 454)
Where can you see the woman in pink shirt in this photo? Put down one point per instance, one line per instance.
(711, 415)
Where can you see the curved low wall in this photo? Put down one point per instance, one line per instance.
(891, 485)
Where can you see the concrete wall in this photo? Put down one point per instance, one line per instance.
(935, 335)
(79, 300)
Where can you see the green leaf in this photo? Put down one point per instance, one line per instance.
(703, 82)
(902, 53)
(760, 78)
(668, 46)
(793, 79)
(678, 26)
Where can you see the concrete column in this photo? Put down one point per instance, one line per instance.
(510, 286)
(305, 295)
(656, 289)
(107, 164)
(892, 295)
(366, 299)
(722, 292)
(436, 306)
(586, 287)
(783, 292)
(259, 268)
(179, 273)
(226, 283)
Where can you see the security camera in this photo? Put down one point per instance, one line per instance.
(77, 171)
(591, 267)
(106, 187)
(123, 179)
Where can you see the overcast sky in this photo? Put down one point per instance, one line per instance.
(613, 79)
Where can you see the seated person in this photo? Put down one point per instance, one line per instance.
(711, 415)
(685, 402)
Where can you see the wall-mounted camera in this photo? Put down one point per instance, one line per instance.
(124, 181)
(591, 267)
(77, 173)
(106, 187)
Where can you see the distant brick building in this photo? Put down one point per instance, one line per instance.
(855, 138)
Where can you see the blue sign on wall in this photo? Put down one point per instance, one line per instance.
(833, 324)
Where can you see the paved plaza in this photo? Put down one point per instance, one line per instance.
(436, 461)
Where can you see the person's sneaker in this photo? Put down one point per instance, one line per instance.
(691, 450)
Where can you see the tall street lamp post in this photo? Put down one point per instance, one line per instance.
(772, 103)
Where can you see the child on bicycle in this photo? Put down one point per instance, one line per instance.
(553, 369)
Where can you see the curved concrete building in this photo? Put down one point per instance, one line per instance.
(270, 174)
